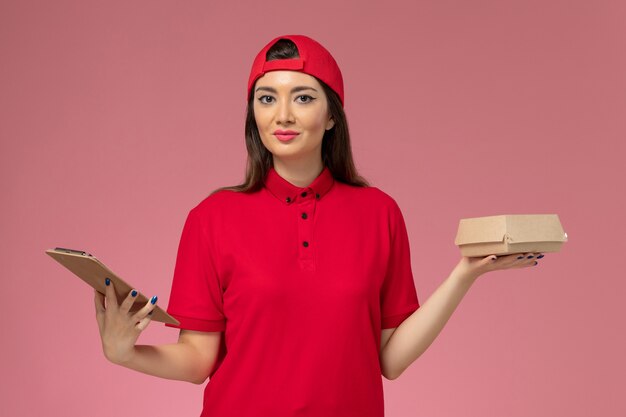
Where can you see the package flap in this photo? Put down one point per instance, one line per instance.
(481, 230)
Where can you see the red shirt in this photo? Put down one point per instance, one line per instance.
(301, 281)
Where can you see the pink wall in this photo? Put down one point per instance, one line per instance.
(118, 117)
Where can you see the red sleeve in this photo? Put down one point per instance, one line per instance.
(398, 297)
(196, 297)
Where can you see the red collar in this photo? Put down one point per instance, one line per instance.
(288, 193)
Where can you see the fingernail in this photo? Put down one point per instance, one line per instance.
(107, 281)
(134, 293)
(154, 299)
(519, 257)
(540, 256)
(530, 256)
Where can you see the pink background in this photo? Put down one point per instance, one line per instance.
(118, 117)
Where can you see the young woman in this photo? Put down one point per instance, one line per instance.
(294, 290)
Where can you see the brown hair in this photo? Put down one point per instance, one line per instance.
(336, 150)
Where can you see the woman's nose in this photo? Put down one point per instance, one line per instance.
(285, 113)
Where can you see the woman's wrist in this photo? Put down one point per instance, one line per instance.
(463, 275)
(120, 358)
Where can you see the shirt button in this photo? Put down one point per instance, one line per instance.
(317, 196)
(288, 199)
(304, 215)
(303, 194)
(305, 244)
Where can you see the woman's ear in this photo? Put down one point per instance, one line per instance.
(330, 124)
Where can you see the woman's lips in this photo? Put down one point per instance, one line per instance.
(285, 137)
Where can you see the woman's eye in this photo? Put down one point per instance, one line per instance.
(262, 97)
(307, 96)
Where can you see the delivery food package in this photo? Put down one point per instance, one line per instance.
(510, 233)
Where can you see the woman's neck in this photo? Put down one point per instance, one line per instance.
(299, 174)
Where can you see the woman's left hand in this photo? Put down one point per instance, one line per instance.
(470, 268)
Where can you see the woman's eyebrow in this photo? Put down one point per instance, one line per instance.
(293, 90)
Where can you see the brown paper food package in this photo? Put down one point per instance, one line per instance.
(510, 233)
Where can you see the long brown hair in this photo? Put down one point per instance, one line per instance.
(336, 150)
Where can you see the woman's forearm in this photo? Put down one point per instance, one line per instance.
(416, 333)
(177, 361)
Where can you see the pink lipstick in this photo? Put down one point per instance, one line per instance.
(285, 135)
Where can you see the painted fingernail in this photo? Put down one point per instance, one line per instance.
(519, 257)
(134, 293)
(107, 281)
(530, 256)
(540, 256)
(154, 299)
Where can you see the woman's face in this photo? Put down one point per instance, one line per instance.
(291, 101)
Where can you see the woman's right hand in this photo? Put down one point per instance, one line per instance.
(119, 329)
